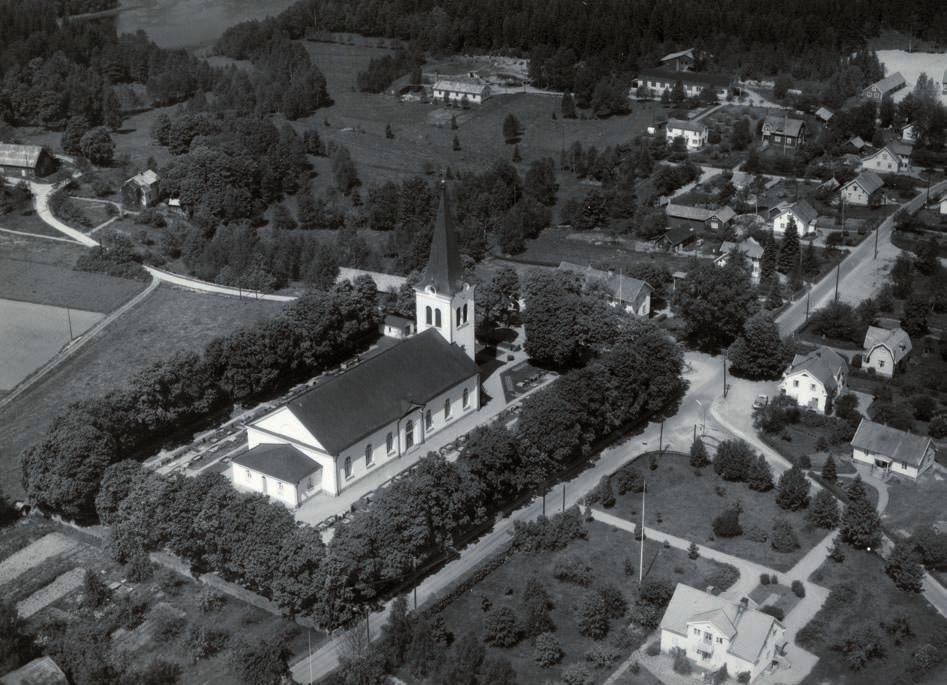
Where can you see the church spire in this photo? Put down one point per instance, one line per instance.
(444, 270)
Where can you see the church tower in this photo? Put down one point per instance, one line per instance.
(443, 299)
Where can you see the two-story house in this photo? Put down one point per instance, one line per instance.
(815, 379)
(878, 90)
(751, 250)
(694, 133)
(714, 632)
(863, 190)
(781, 130)
(893, 158)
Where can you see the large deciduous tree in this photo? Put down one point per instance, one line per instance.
(715, 303)
(759, 352)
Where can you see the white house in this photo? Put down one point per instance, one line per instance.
(716, 632)
(694, 133)
(751, 250)
(385, 407)
(141, 189)
(632, 294)
(657, 81)
(802, 213)
(458, 89)
(863, 190)
(888, 160)
(909, 134)
(815, 379)
(395, 326)
(885, 347)
(891, 450)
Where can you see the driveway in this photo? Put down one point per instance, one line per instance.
(41, 194)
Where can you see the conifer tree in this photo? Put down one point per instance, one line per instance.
(904, 568)
(823, 512)
(829, 471)
(792, 493)
(861, 525)
(699, 454)
(789, 249)
(760, 476)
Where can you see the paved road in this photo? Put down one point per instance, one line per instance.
(204, 286)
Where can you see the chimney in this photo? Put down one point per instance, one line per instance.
(745, 601)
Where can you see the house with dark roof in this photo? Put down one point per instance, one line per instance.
(387, 406)
(699, 217)
(863, 190)
(878, 90)
(890, 450)
(694, 133)
(141, 190)
(694, 83)
(886, 346)
(682, 60)
(783, 131)
(714, 632)
(675, 239)
(751, 251)
(26, 161)
(815, 379)
(893, 158)
(631, 294)
(803, 214)
(397, 326)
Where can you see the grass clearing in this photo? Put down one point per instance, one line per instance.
(59, 286)
(915, 504)
(169, 320)
(684, 504)
(605, 551)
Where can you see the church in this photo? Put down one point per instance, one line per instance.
(387, 406)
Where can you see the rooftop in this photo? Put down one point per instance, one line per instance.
(145, 178)
(689, 52)
(444, 271)
(804, 211)
(823, 363)
(460, 84)
(282, 462)
(782, 124)
(623, 288)
(896, 444)
(725, 214)
(684, 125)
(677, 235)
(687, 77)
(749, 247)
(894, 338)
(823, 114)
(41, 671)
(26, 156)
(895, 80)
(869, 181)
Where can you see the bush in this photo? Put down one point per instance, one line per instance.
(645, 615)
(733, 459)
(605, 494)
(549, 534)
(743, 677)
(95, 591)
(698, 454)
(168, 623)
(169, 582)
(681, 663)
(593, 617)
(656, 592)
(602, 656)
(937, 428)
(616, 605)
(573, 569)
(764, 579)
(139, 568)
(202, 641)
(211, 600)
(798, 589)
(577, 674)
(546, 650)
(784, 537)
(723, 578)
(157, 672)
(792, 493)
(727, 524)
(628, 479)
(693, 552)
(756, 534)
(500, 627)
(653, 649)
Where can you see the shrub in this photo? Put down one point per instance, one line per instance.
(168, 623)
(96, 593)
(629, 567)
(139, 568)
(577, 674)
(759, 476)
(756, 534)
(549, 534)
(693, 552)
(656, 592)
(784, 537)
(733, 459)
(202, 641)
(860, 644)
(605, 494)
(824, 512)
(774, 611)
(211, 600)
(653, 649)
(157, 672)
(829, 470)
(723, 578)
(169, 581)
(903, 566)
(593, 617)
(727, 524)
(500, 627)
(645, 615)
(792, 493)
(602, 656)
(743, 677)
(798, 589)
(546, 650)
(616, 605)
(573, 569)
(628, 479)
(535, 615)
(698, 454)
(681, 663)
(764, 579)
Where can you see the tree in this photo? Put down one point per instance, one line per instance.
(593, 617)
(97, 146)
(903, 566)
(824, 510)
(810, 260)
(693, 552)
(937, 428)
(733, 459)
(792, 493)
(453, 122)
(740, 137)
(16, 648)
(759, 352)
(262, 662)
(760, 477)
(567, 106)
(396, 633)
(698, 453)
(540, 181)
(389, 134)
(498, 671)
(727, 524)
(789, 249)
(829, 471)
(916, 310)
(677, 93)
(902, 276)
(71, 140)
(500, 627)
(781, 86)
(535, 618)
(282, 219)
(554, 317)
(456, 144)
(547, 651)
(511, 129)
(768, 262)
(715, 303)
(346, 175)
(861, 525)
(784, 537)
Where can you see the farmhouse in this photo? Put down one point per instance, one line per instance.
(675, 239)
(893, 158)
(714, 632)
(694, 133)
(684, 215)
(863, 190)
(631, 294)
(26, 161)
(41, 671)
(877, 91)
(891, 450)
(385, 407)
(803, 214)
(694, 83)
(682, 60)
(460, 89)
(885, 347)
(751, 250)
(781, 130)
(141, 190)
(815, 379)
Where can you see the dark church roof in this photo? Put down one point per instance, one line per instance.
(444, 270)
(381, 390)
(282, 462)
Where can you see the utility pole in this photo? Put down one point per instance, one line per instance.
(310, 655)
(661, 440)
(877, 230)
(807, 306)
(725, 353)
(563, 496)
(695, 433)
(641, 558)
(838, 268)
(414, 567)
(69, 319)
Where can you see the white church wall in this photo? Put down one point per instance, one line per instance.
(284, 422)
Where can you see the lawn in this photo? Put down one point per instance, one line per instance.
(915, 504)
(167, 321)
(873, 600)
(682, 503)
(775, 595)
(26, 221)
(605, 551)
(802, 441)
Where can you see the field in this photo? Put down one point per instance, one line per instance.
(168, 321)
(871, 599)
(911, 65)
(681, 503)
(605, 551)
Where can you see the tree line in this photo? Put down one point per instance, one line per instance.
(62, 473)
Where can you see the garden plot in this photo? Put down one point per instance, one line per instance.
(35, 554)
(56, 590)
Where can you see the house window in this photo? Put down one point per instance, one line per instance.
(368, 454)
(458, 316)
(390, 443)
(447, 408)
(466, 399)
(795, 384)
(881, 363)
(347, 467)
(719, 640)
(437, 318)
(309, 483)
(427, 315)
(465, 312)
(696, 631)
(279, 485)
(811, 386)
(248, 473)
(408, 434)
(428, 420)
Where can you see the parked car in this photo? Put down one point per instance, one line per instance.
(760, 401)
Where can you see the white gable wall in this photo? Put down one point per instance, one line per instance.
(694, 643)
(806, 389)
(781, 223)
(881, 360)
(867, 456)
(283, 422)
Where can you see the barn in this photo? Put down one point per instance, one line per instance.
(26, 161)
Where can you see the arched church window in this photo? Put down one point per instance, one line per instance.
(437, 318)
(347, 467)
(458, 317)
(369, 454)
(447, 408)
(427, 315)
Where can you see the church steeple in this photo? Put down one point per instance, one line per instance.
(444, 271)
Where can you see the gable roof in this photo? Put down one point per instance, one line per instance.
(749, 247)
(282, 462)
(676, 235)
(747, 628)
(397, 320)
(687, 77)
(804, 211)
(41, 671)
(894, 339)
(900, 148)
(623, 288)
(889, 83)
(460, 84)
(26, 156)
(782, 124)
(674, 211)
(824, 114)
(689, 52)
(684, 125)
(823, 364)
(145, 178)
(444, 270)
(342, 410)
(856, 142)
(868, 181)
(898, 445)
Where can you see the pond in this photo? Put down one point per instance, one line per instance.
(191, 23)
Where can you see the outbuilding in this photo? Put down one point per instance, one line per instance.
(26, 161)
